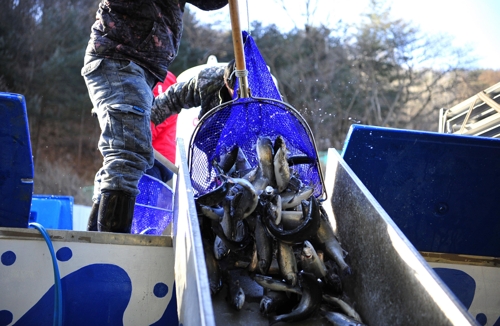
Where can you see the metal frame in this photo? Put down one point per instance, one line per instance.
(269, 101)
(479, 115)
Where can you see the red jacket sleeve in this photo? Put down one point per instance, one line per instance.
(164, 134)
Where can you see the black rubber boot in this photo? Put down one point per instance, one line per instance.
(92, 223)
(116, 211)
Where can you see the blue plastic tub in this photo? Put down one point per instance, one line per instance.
(53, 212)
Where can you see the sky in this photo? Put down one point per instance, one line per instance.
(471, 23)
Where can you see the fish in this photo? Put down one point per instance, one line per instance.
(233, 228)
(251, 220)
(292, 199)
(266, 304)
(346, 308)
(244, 199)
(333, 282)
(213, 268)
(306, 230)
(278, 143)
(277, 302)
(271, 283)
(257, 179)
(220, 248)
(287, 263)
(295, 183)
(242, 163)
(215, 213)
(219, 171)
(231, 245)
(271, 203)
(227, 160)
(226, 221)
(264, 245)
(254, 262)
(235, 295)
(251, 174)
(274, 209)
(338, 319)
(214, 197)
(333, 249)
(311, 262)
(291, 219)
(240, 231)
(281, 168)
(265, 156)
(260, 184)
(309, 302)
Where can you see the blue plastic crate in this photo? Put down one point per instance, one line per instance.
(53, 212)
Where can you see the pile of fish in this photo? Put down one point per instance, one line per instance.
(266, 220)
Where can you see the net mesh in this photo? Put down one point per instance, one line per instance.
(153, 207)
(242, 121)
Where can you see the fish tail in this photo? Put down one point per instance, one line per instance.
(346, 271)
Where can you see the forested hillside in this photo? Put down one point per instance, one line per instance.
(380, 71)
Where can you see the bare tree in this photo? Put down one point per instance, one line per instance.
(402, 73)
(380, 71)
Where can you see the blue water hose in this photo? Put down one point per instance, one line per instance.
(57, 277)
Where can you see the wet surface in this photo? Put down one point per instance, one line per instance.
(250, 313)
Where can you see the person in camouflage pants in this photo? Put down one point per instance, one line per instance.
(131, 45)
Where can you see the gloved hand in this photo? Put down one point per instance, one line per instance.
(160, 110)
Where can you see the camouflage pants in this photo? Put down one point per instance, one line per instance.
(121, 93)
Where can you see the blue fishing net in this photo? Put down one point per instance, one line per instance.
(242, 121)
(153, 207)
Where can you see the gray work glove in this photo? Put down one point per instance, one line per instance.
(160, 110)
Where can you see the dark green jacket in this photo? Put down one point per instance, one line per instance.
(147, 32)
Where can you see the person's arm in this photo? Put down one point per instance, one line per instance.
(174, 99)
(201, 90)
